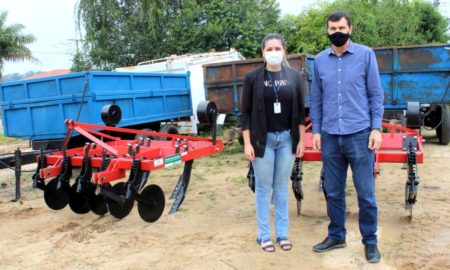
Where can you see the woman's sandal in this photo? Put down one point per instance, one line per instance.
(285, 245)
(268, 246)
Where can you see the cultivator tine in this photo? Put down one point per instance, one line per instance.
(251, 177)
(182, 188)
(296, 178)
(409, 145)
(177, 188)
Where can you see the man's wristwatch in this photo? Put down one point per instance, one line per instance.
(379, 129)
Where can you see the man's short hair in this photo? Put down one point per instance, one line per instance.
(337, 16)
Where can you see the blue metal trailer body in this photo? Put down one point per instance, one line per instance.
(408, 74)
(414, 73)
(36, 109)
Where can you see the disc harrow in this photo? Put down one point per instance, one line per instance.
(106, 159)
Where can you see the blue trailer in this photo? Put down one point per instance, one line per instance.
(36, 109)
(414, 75)
(418, 74)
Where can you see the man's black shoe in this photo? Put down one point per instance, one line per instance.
(329, 244)
(372, 253)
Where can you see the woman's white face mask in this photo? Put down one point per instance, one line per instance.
(274, 58)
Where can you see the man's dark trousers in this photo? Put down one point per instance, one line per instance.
(339, 151)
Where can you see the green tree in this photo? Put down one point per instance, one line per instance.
(376, 23)
(12, 42)
(125, 32)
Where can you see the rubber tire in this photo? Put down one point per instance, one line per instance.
(111, 114)
(443, 130)
(205, 111)
(169, 129)
(139, 136)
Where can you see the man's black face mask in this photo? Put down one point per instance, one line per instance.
(338, 39)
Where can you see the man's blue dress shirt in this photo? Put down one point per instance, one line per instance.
(346, 95)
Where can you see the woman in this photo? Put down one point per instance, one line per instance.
(273, 123)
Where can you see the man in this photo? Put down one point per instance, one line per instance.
(346, 112)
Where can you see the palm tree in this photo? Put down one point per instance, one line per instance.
(12, 42)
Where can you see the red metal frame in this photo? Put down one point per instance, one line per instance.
(158, 155)
(390, 151)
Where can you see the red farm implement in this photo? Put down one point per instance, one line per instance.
(106, 158)
(400, 145)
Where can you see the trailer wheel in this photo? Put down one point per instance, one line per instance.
(111, 114)
(206, 111)
(169, 129)
(443, 130)
(142, 136)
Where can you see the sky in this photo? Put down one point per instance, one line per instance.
(52, 23)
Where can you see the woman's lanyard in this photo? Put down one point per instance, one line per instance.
(276, 89)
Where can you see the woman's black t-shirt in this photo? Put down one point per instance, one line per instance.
(281, 120)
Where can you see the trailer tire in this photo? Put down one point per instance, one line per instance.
(167, 128)
(206, 111)
(111, 114)
(443, 130)
(139, 136)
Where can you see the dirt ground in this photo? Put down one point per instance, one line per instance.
(215, 227)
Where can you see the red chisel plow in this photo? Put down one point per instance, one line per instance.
(105, 159)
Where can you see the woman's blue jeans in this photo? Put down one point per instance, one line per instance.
(338, 152)
(272, 173)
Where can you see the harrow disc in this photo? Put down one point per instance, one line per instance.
(55, 199)
(117, 209)
(78, 201)
(152, 202)
(97, 203)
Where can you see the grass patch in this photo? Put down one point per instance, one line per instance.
(235, 148)
(5, 140)
(239, 179)
(319, 221)
(199, 177)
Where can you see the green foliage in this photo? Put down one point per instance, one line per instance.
(125, 32)
(12, 42)
(376, 23)
(80, 62)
